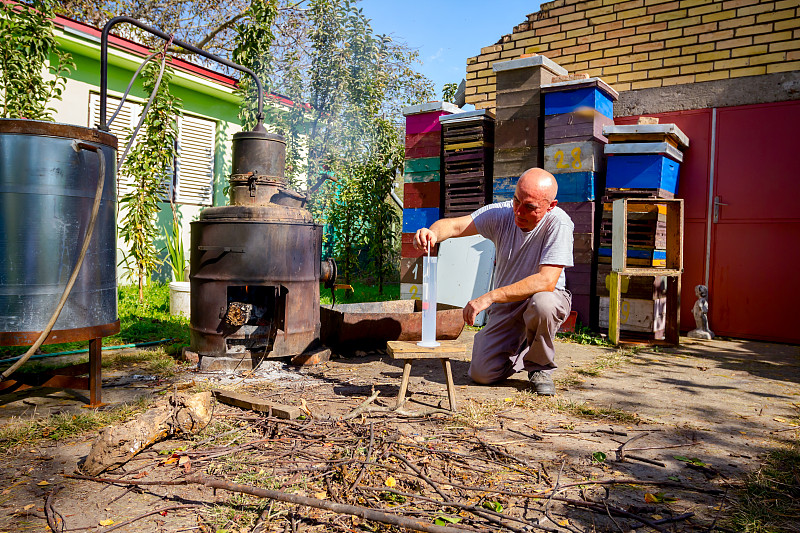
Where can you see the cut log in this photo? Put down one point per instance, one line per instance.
(116, 445)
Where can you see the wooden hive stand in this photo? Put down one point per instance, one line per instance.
(673, 270)
(409, 352)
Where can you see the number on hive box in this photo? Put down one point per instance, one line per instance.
(576, 159)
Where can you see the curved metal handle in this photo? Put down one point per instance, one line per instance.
(166, 37)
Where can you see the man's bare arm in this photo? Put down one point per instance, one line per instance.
(443, 229)
(544, 280)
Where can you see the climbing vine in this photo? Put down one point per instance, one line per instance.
(253, 50)
(28, 48)
(151, 166)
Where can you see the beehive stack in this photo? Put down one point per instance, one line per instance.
(518, 129)
(575, 112)
(468, 142)
(643, 162)
(422, 195)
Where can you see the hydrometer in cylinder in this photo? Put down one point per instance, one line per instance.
(428, 302)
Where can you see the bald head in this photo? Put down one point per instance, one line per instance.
(534, 197)
(538, 181)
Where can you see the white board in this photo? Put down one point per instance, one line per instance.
(465, 271)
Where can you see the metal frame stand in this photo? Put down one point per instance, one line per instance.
(68, 377)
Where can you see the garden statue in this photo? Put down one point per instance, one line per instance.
(700, 312)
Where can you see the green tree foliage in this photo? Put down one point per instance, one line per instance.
(356, 82)
(253, 50)
(150, 164)
(449, 92)
(27, 50)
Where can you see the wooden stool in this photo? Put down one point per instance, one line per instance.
(409, 351)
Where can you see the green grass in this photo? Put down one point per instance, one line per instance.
(604, 362)
(583, 335)
(65, 425)
(529, 400)
(149, 321)
(362, 292)
(770, 499)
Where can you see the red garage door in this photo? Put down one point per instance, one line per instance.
(755, 239)
(751, 260)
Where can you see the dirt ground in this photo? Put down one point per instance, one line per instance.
(702, 415)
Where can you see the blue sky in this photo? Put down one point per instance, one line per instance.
(447, 32)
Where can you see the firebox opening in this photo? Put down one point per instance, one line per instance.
(254, 315)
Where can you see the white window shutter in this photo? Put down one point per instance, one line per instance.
(123, 125)
(195, 172)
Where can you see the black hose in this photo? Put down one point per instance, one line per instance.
(76, 270)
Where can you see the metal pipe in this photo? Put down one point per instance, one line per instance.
(166, 37)
(709, 223)
(86, 350)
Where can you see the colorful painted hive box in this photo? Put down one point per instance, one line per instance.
(582, 96)
(576, 186)
(642, 171)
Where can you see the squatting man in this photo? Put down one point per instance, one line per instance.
(533, 243)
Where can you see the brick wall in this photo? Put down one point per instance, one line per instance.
(640, 44)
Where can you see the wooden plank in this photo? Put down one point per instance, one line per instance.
(416, 177)
(422, 194)
(424, 122)
(586, 156)
(574, 127)
(253, 403)
(576, 186)
(619, 244)
(531, 111)
(672, 331)
(420, 217)
(410, 350)
(656, 137)
(642, 193)
(517, 98)
(465, 145)
(410, 291)
(638, 287)
(579, 282)
(613, 308)
(646, 316)
(657, 148)
(671, 130)
(411, 270)
(469, 176)
(650, 171)
(516, 133)
(581, 213)
(675, 235)
(581, 83)
(576, 99)
(423, 164)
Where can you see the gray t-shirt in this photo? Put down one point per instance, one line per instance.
(519, 253)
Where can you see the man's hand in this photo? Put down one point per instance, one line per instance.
(474, 307)
(424, 239)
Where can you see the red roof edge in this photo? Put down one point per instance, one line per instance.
(142, 51)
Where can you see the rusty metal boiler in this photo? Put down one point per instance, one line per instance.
(255, 264)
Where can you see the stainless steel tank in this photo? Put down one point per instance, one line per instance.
(47, 188)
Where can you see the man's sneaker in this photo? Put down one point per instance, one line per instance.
(542, 383)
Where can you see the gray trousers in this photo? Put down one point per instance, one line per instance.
(519, 336)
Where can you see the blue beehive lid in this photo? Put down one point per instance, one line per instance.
(577, 95)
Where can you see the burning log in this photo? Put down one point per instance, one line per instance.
(238, 313)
